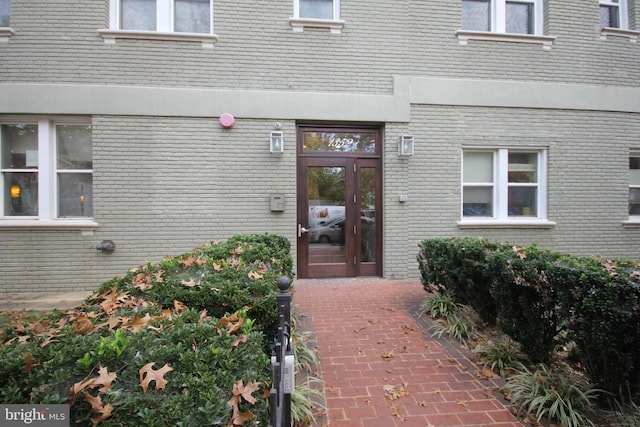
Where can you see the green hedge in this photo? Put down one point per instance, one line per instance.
(208, 317)
(538, 293)
(461, 267)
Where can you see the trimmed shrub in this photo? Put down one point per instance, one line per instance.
(537, 294)
(600, 300)
(460, 266)
(183, 342)
(525, 298)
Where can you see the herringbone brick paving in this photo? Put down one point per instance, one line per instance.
(380, 365)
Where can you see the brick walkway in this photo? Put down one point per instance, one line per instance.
(380, 365)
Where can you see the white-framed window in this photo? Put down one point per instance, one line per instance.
(178, 20)
(47, 171)
(316, 13)
(317, 9)
(634, 185)
(614, 14)
(5, 13)
(503, 16)
(182, 16)
(503, 184)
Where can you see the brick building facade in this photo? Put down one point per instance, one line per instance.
(524, 118)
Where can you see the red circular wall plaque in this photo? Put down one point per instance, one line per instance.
(227, 120)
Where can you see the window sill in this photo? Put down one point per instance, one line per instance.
(299, 24)
(631, 223)
(464, 36)
(52, 224)
(110, 36)
(617, 32)
(511, 223)
(5, 34)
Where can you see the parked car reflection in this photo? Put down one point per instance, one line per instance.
(333, 231)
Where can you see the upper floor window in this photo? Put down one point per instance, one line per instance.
(47, 170)
(614, 14)
(318, 9)
(187, 16)
(634, 184)
(5, 13)
(316, 13)
(504, 184)
(503, 16)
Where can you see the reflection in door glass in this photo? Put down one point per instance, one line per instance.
(326, 196)
(368, 214)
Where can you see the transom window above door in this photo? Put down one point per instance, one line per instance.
(503, 16)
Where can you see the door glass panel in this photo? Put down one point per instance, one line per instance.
(368, 214)
(340, 142)
(326, 197)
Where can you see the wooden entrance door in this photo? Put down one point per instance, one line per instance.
(339, 202)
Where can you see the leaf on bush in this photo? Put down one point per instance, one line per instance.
(178, 306)
(246, 391)
(241, 340)
(240, 391)
(216, 266)
(94, 401)
(254, 275)
(157, 276)
(82, 324)
(238, 251)
(28, 363)
(104, 414)
(233, 323)
(148, 374)
(104, 379)
(97, 407)
(142, 281)
(191, 283)
(138, 322)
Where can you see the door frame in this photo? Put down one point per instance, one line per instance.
(353, 162)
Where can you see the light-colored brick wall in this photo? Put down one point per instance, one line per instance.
(163, 185)
(257, 49)
(588, 160)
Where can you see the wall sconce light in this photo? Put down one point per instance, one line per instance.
(405, 146)
(15, 191)
(277, 142)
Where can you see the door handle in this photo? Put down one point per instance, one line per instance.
(302, 230)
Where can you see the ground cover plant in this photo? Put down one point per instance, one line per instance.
(566, 329)
(184, 342)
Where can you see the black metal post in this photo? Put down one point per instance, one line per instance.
(282, 360)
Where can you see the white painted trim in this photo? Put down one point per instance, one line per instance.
(75, 224)
(512, 223)
(110, 36)
(299, 24)
(5, 34)
(617, 32)
(465, 35)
